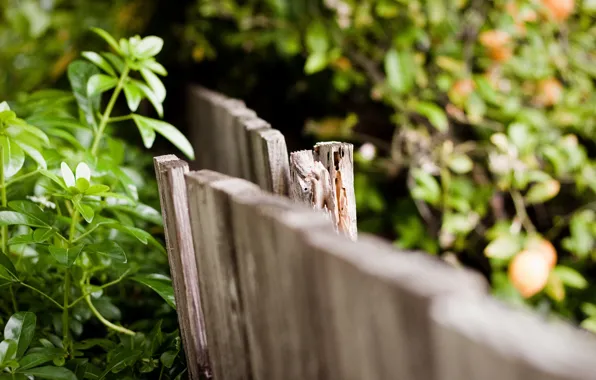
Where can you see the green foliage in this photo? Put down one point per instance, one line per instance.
(493, 105)
(75, 243)
(40, 38)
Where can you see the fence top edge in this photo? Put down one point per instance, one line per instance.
(517, 333)
(165, 158)
(412, 270)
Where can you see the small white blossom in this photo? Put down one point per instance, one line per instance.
(368, 151)
(82, 170)
(44, 201)
(67, 175)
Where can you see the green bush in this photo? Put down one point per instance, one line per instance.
(493, 107)
(40, 38)
(77, 251)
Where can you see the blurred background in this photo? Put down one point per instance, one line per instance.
(473, 120)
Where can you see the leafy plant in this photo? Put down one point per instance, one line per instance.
(492, 105)
(69, 237)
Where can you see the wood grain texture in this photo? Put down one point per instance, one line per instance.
(481, 338)
(170, 173)
(225, 144)
(338, 159)
(239, 117)
(251, 126)
(209, 201)
(378, 302)
(270, 159)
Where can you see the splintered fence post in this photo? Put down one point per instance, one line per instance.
(338, 159)
(170, 173)
(270, 156)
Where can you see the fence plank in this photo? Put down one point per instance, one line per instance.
(270, 159)
(201, 111)
(209, 203)
(239, 117)
(490, 340)
(225, 144)
(378, 301)
(172, 191)
(245, 147)
(338, 159)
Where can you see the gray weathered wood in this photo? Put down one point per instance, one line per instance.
(270, 159)
(378, 300)
(250, 126)
(170, 173)
(480, 338)
(240, 161)
(338, 159)
(225, 146)
(209, 201)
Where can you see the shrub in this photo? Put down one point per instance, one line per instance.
(77, 253)
(493, 105)
(40, 38)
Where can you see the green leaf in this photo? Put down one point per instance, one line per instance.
(460, 163)
(154, 66)
(34, 154)
(155, 84)
(137, 233)
(504, 247)
(97, 190)
(141, 211)
(108, 38)
(8, 267)
(13, 155)
(543, 191)
(100, 83)
(315, 62)
(161, 284)
(108, 248)
(21, 328)
(147, 133)
(168, 357)
(51, 373)
(40, 357)
(427, 188)
(66, 256)
(85, 210)
(119, 360)
(79, 73)
(33, 211)
(149, 94)
(589, 324)
(39, 236)
(59, 181)
(399, 67)
(9, 218)
(434, 114)
(169, 132)
(570, 277)
(116, 61)
(316, 37)
(100, 61)
(8, 351)
(133, 96)
(149, 46)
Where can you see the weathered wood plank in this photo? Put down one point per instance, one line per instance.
(338, 159)
(209, 201)
(225, 145)
(250, 126)
(480, 338)
(378, 302)
(270, 159)
(170, 173)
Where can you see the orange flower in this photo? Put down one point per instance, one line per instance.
(560, 10)
(496, 42)
(550, 92)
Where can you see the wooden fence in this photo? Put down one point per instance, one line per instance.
(267, 290)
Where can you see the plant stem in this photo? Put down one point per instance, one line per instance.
(42, 293)
(65, 323)
(520, 208)
(20, 178)
(105, 321)
(71, 237)
(119, 118)
(100, 288)
(106, 115)
(14, 300)
(4, 200)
